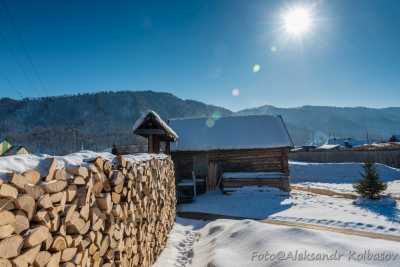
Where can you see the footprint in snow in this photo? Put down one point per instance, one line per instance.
(185, 249)
(215, 229)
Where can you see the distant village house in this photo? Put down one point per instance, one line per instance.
(7, 149)
(347, 142)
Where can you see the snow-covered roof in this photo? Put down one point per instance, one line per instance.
(234, 132)
(329, 147)
(152, 114)
(347, 142)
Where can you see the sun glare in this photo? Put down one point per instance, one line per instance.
(297, 21)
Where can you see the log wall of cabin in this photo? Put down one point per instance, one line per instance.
(243, 160)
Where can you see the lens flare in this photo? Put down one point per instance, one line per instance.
(256, 68)
(210, 122)
(216, 115)
(236, 92)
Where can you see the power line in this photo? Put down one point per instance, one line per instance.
(12, 85)
(17, 61)
(24, 48)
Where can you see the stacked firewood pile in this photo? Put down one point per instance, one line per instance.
(100, 213)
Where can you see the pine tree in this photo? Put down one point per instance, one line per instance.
(370, 186)
(393, 139)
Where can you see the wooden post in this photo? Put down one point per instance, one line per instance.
(194, 185)
(156, 144)
(153, 144)
(150, 144)
(212, 176)
(285, 161)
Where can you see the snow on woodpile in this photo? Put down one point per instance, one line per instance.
(336, 172)
(85, 209)
(22, 163)
(245, 243)
(235, 132)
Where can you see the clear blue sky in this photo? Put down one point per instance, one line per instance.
(202, 50)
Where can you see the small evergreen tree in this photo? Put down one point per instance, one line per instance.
(370, 186)
(393, 139)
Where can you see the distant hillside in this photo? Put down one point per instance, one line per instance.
(310, 124)
(59, 125)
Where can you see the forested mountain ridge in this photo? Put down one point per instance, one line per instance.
(59, 125)
(63, 124)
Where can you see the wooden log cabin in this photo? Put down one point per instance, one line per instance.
(233, 151)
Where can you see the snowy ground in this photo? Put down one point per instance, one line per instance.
(231, 243)
(249, 243)
(342, 213)
(339, 177)
(248, 202)
(301, 172)
(393, 188)
(265, 202)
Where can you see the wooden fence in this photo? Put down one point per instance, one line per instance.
(388, 157)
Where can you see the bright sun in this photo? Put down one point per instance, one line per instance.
(297, 21)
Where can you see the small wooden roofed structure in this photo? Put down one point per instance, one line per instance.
(247, 145)
(151, 126)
